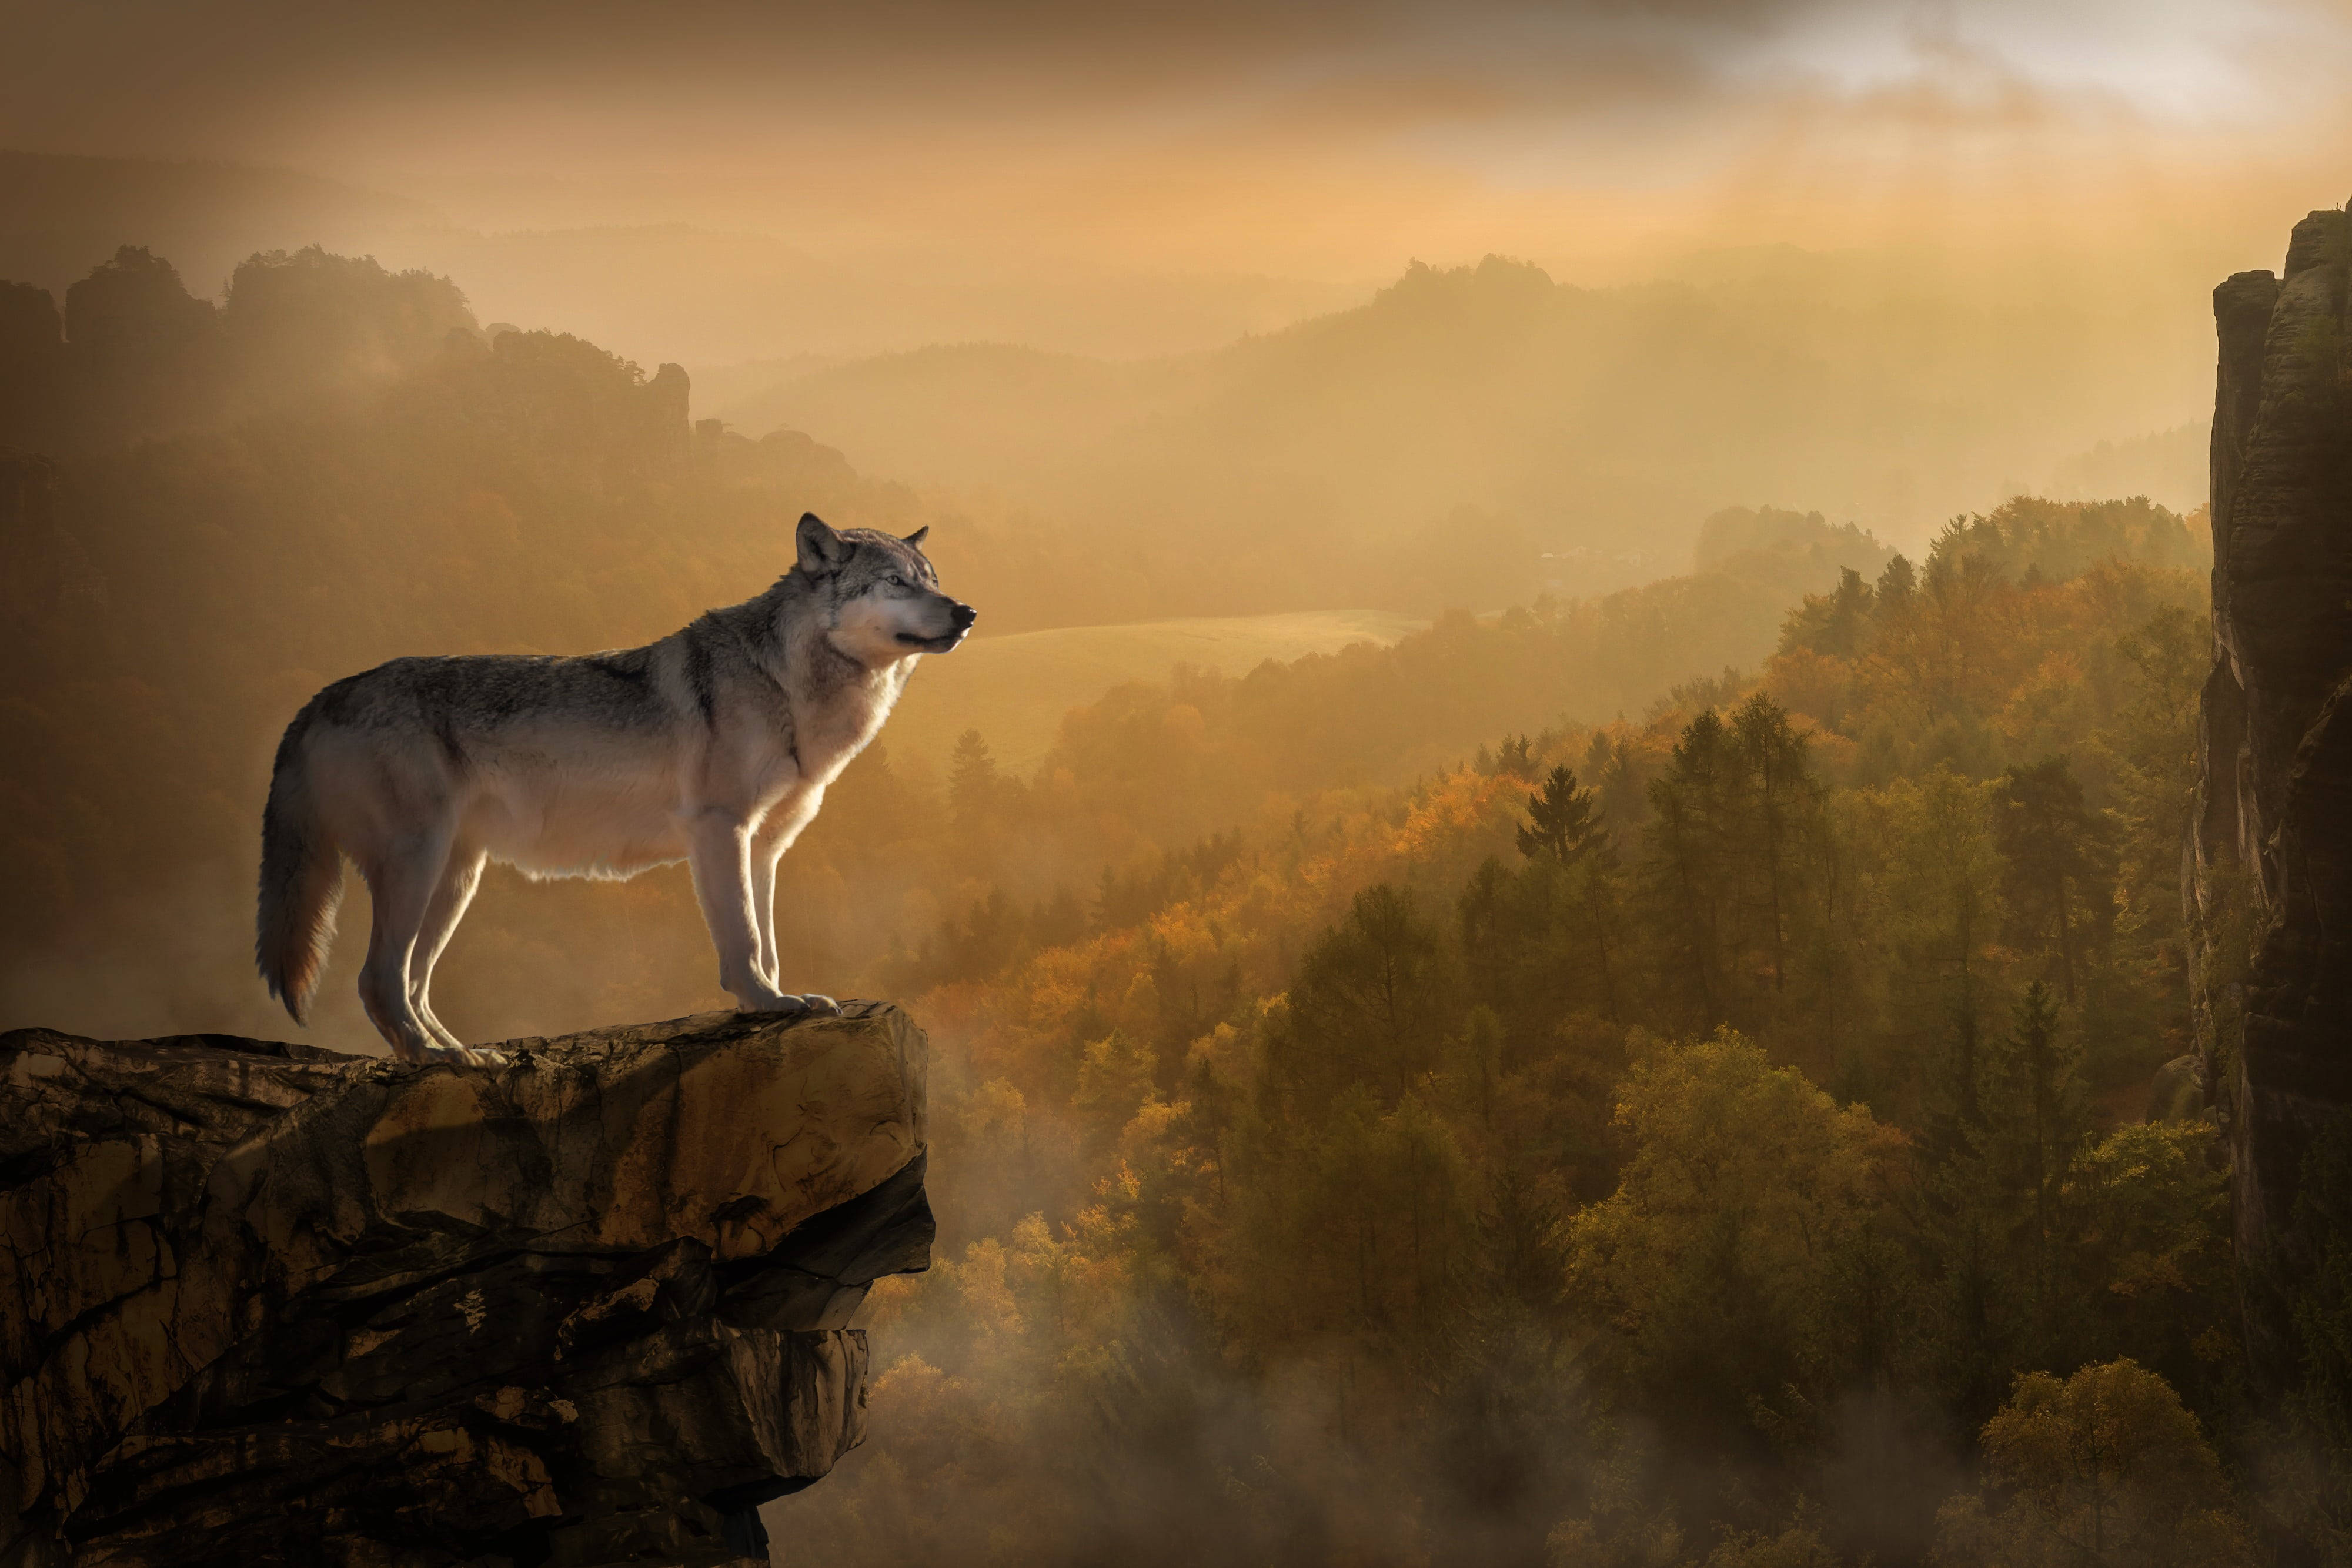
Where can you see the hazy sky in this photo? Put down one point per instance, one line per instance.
(1312, 140)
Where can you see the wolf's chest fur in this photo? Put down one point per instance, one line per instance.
(835, 720)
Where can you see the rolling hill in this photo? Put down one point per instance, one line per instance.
(1600, 420)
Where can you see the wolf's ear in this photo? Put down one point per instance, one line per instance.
(822, 552)
(918, 535)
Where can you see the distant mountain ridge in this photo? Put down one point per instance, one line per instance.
(653, 290)
(60, 215)
(1588, 418)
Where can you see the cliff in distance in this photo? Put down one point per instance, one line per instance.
(2270, 851)
(262, 1303)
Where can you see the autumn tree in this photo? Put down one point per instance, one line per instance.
(1618, 780)
(1783, 801)
(1371, 1003)
(1946, 645)
(2104, 1468)
(1836, 623)
(1711, 1275)
(1368, 1208)
(2035, 1120)
(1513, 758)
(1735, 852)
(2155, 740)
(1932, 915)
(1693, 827)
(2150, 1256)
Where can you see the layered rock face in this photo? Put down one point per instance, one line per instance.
(2271, 845)
(266, 1303)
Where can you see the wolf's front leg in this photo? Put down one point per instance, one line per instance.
(719, 851)
(765, 857)
(768, 846)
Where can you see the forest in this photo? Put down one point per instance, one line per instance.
(1647, 1142)
(1679, 1075)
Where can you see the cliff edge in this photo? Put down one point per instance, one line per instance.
(2270, 853)
(264, 1302)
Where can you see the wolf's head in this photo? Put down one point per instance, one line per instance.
(881, 599)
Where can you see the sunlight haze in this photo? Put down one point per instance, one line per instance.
(1049, 146)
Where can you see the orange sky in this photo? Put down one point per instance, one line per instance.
(1323, 140)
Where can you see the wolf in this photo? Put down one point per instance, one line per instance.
(713, 746)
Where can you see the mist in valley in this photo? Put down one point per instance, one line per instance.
(1548, 903)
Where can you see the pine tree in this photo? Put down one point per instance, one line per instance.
(2036, 1121)
(1849, 617)
(1367, 1003)
(1835, 623)
(1895, 586)
(1737, 850)
(1562, 821)
(1783, 801)
(2061, 865)
(1690, 836)
(973, 785)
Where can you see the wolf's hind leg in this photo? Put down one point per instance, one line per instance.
(450, 899)
(401, 882)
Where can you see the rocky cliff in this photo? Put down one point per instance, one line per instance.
(2270, 851)
(266, 1303)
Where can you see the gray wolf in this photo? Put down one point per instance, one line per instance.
(713, 746)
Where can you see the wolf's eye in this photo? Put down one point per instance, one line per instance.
(894, 580)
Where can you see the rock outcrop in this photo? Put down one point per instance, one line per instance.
(2270, 852)
(268, 1303)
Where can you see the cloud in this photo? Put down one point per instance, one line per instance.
(1318, 137)
(244, 78)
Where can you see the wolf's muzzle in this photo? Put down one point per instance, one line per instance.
(961, 617)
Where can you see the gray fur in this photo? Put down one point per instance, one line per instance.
(713, 746)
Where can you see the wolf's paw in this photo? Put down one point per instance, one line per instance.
(465, 1055)
(809, 1005)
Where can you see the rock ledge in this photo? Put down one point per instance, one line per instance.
(265, 1302)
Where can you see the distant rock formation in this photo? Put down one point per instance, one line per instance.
(134, 357)
(135, 307)
(2271, 845)
(266, 1303)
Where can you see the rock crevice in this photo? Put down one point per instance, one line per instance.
(263, 1302)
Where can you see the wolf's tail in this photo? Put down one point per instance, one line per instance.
(301, 879)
